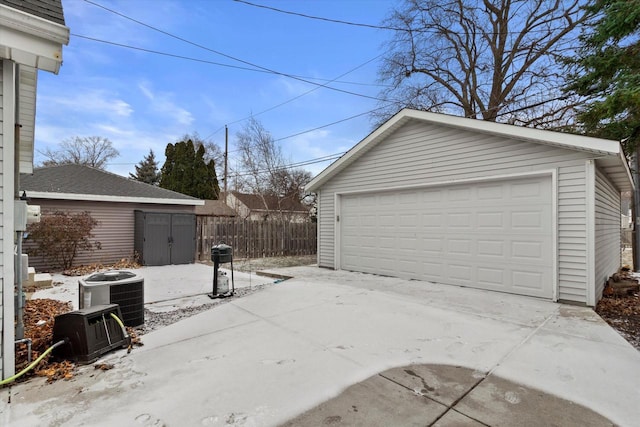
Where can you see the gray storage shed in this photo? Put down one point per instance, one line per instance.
(467, 202)
(111, 199)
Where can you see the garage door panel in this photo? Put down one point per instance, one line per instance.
(527, 250)
(433, 220)
(460, 272)
(490, 220)
(491, 277)
(459, 220)
(491, 248)
(492, 235)
(459, 247)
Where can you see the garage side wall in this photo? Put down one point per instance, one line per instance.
(419, 153)
(115, 229)
(607, 231)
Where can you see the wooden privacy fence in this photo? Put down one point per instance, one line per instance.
(255, 239)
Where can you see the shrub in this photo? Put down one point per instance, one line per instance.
(59, 236)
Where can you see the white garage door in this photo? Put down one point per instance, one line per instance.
(493, 235)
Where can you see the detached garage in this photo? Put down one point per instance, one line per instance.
(467, 202)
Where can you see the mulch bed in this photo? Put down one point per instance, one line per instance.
(39, 315)
(623, 314)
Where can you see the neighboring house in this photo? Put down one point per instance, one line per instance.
(32, 34)
(119, 205)
(257, 207)
(474, 203)
(217, 208)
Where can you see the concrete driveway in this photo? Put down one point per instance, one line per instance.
(267, 358)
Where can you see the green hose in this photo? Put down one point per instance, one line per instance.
(124, 331)
(34, 363)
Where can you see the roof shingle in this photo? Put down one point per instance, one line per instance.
(51, 10)
(81, 179)
(256, 202)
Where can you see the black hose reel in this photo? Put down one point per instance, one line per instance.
(221, 254)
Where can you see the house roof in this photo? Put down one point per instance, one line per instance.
(608, 154)
(51, 10)
(80, 182)
(257, 202)
(215, 208)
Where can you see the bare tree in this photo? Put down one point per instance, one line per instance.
(94, 151)
(494, 60)
(264, 170)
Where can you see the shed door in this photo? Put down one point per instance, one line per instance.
(493, 235)
(183, 238)
(157, 234)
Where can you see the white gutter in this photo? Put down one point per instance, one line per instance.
(120, 199)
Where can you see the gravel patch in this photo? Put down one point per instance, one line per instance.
(155, 320)
(256, 264)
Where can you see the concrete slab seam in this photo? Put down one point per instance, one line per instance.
(520, 344)
(195, 337)
(449, 407)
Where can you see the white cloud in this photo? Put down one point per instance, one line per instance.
(96, 101)
(161, 102)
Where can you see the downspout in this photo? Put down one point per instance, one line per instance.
(16, 182)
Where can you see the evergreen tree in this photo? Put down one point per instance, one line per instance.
(186, 171)
(147, 170)
(608, 72)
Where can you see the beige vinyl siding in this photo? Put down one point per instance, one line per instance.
(607, 231)
(423, 153)
(114, 231)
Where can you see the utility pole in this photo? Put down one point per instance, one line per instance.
(226, 159)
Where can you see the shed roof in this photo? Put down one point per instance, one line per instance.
(215, 208)
(80, 182)
(51, 10)
(608, 153)
(257, 202)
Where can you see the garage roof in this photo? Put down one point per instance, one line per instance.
(80, 182)
(608, 153)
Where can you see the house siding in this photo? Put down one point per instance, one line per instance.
(2, 307)
(28, 86)
(115, 229)
(607, 231)
(7, 309)
(423, 153)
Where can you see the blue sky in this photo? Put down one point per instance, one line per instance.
(143, 101)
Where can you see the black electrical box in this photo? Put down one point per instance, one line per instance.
(90, 333)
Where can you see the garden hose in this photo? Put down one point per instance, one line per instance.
(34, 363)
(124, 331)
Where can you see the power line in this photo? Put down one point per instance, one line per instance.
(295, 97)
(319, 18)
(230, 56)
(238, 67)
(359, 24)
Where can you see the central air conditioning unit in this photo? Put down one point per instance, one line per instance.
(121, 287)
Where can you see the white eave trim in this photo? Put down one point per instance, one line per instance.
(120, 199)
(34, 25)
(563, 140)
(31, 40)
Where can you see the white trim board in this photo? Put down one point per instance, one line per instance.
(105, 198)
